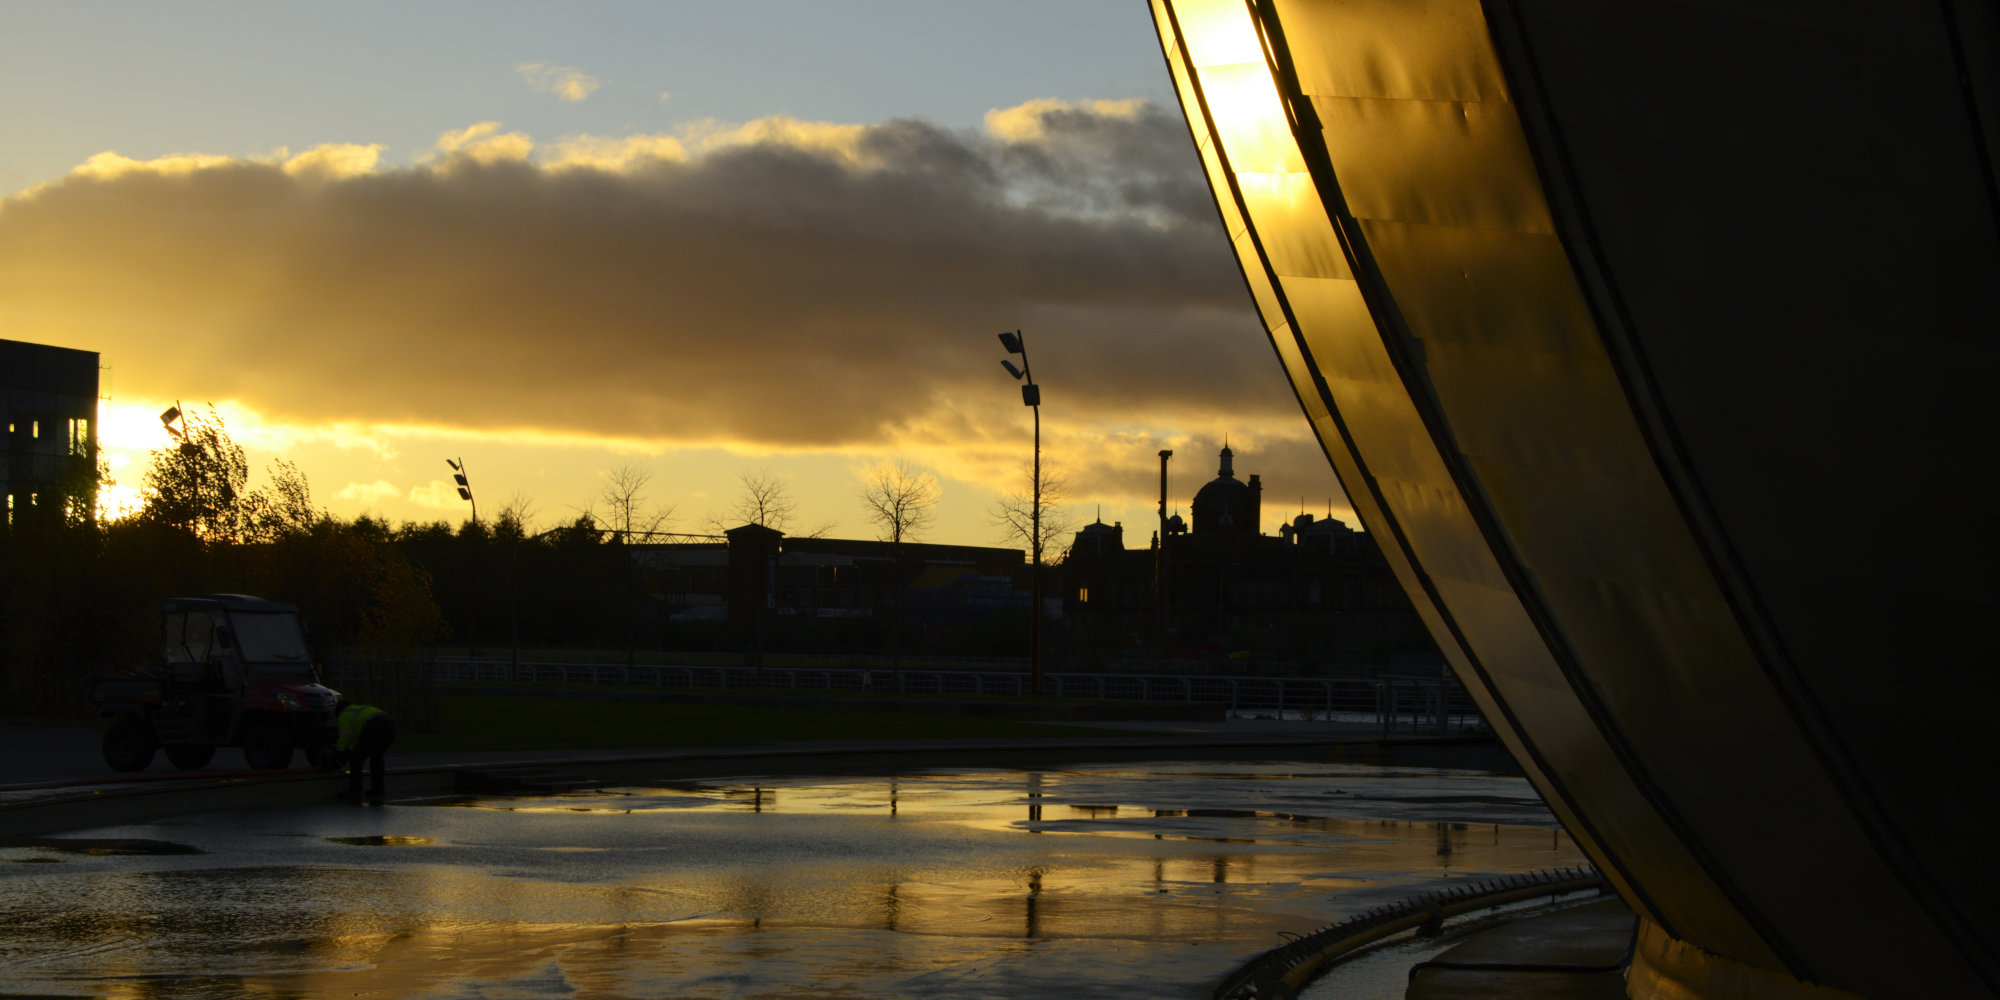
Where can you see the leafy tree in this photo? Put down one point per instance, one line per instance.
(198, 485)
(287, 509)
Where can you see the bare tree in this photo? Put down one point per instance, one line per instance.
(899, 499)
(624, 498)
(632, 519)
(766, 499)
(1018, 513)
(520, 511)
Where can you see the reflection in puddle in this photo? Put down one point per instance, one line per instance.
(911, 885)
(104, 846)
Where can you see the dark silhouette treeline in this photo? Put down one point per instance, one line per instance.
(80, 597)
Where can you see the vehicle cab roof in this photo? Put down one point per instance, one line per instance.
(224, 602)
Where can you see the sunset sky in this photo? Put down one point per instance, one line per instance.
(700, 239)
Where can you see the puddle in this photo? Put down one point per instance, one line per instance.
(917, 885)
(105, 846)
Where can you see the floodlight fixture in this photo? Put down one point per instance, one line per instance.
(465, 494)
(167, 418)
(464, 485)
(1031, 396)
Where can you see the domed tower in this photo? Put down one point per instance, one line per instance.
(1228, 506)
(1098, 541)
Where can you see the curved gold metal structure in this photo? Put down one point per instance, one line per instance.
(1655, 344)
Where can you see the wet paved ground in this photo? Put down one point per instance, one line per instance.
(1114, 880)
(44, 762)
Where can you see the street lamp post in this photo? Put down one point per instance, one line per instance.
(1160, 555)
(1031, 396)
(465, 494)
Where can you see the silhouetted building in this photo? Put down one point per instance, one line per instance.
(1226, 506)
(793, 586)
(1316, 586)
(49, 395)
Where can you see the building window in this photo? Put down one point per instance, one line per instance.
(79, 436)
(1083, 595)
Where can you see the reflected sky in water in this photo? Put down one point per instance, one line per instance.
(1001, 883)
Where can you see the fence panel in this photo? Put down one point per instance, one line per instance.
(1395, 703)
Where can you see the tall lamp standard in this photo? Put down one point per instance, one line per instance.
(1031, 396)
(465, 494)
(1160, 553)
(464, 487)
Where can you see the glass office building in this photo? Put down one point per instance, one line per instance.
(49, 397)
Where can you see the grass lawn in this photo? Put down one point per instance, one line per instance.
(474, 722)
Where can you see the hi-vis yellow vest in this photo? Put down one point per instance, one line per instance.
(351, 722)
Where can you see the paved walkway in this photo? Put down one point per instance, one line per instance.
(1575, 954)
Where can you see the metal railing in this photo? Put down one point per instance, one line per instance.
(1394, 702)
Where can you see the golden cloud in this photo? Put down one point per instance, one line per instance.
(436, 494)
(1031, 122)
(480, 143)
(566, 82)
(334, 161)
(619, 155)
(777, 285)
(369, 493)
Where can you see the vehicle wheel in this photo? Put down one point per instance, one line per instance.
(268, 747)
(128, 745)
(190, 758)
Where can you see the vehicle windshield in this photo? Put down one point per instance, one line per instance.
(270, 639)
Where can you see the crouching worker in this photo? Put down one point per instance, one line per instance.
(366, 732)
